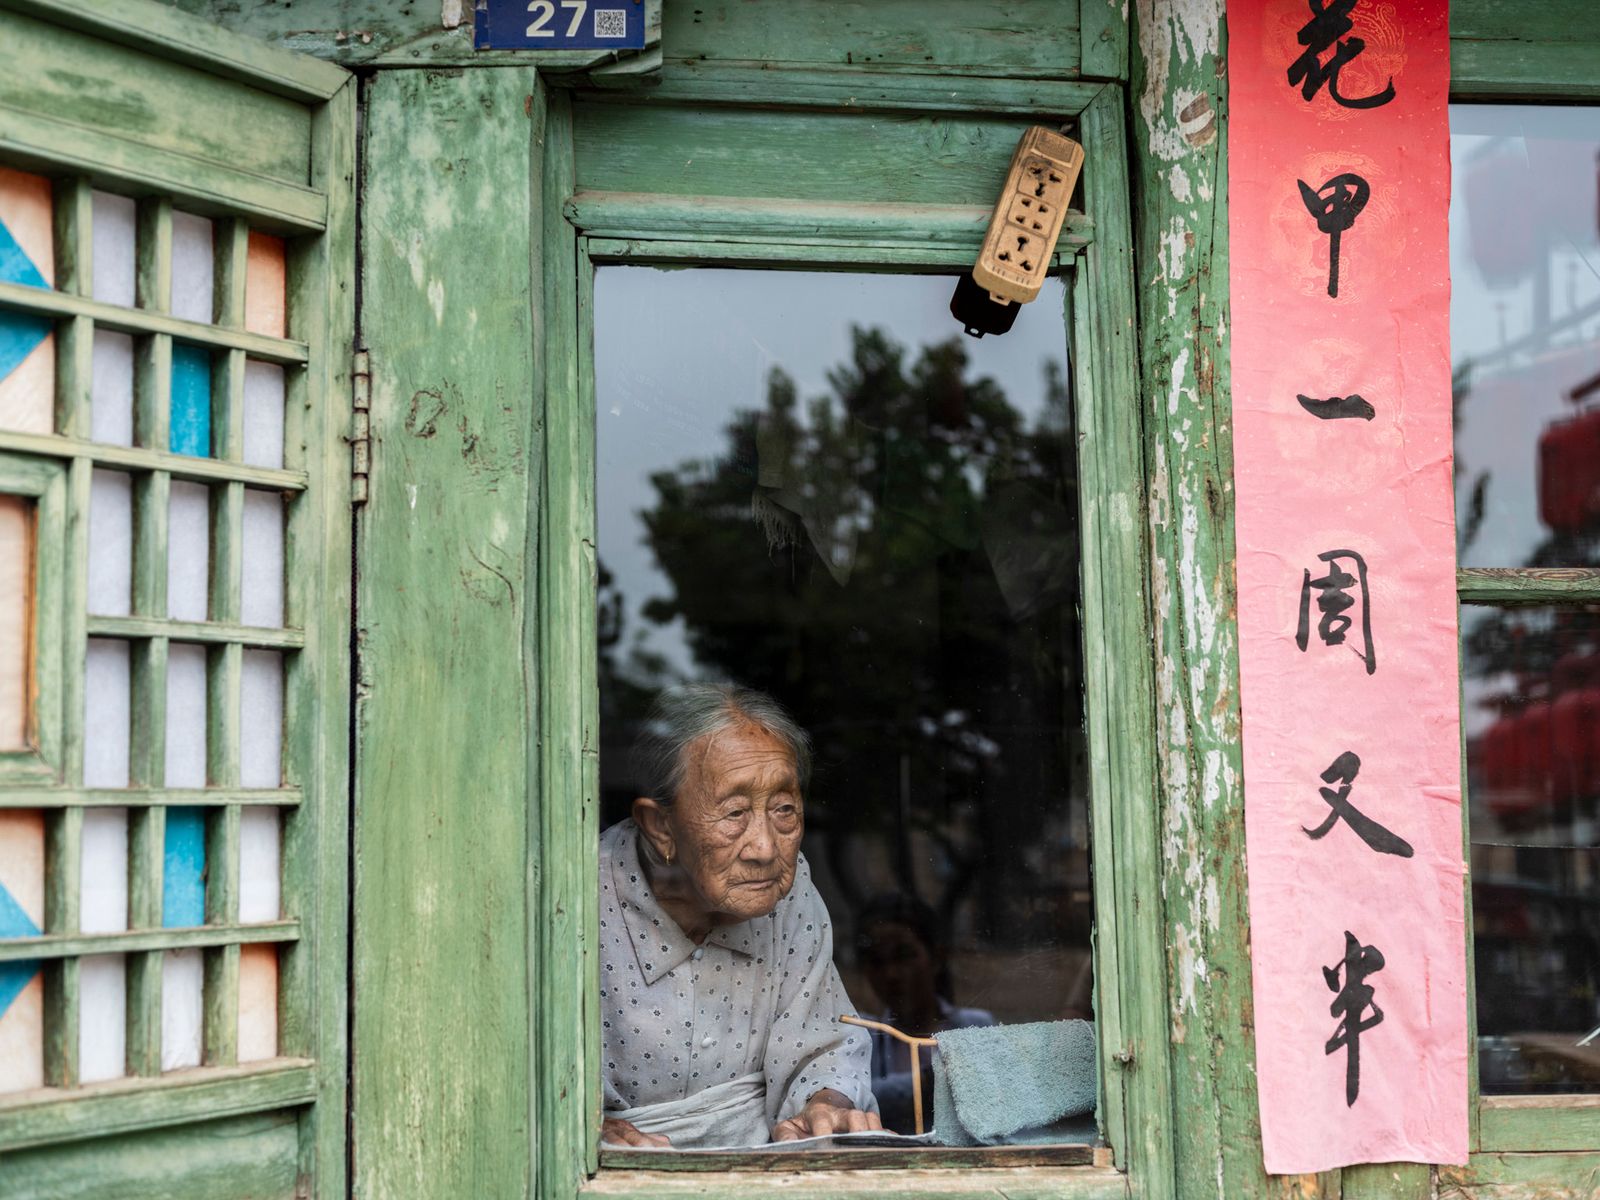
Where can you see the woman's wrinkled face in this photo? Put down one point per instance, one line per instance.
(737, 822)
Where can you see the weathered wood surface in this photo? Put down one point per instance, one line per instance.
(99, 85)
(1015, 37)
(243, 1158)
(387, 34)
(1119, 688)
(33, 1119)
(441, 962)
(791, 155)
(1179, 102)
(1527, 585)
(1539, 1122)
(1006, 37)
(1001, 1183)
(886, 1158)
(176, 37)
(1545, 50)
(1522, 1177)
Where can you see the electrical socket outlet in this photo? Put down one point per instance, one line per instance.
(1027, 221)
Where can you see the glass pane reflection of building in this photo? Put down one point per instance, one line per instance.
(1525, 335)
(815, 485)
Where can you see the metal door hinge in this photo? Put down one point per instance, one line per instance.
(360, 427)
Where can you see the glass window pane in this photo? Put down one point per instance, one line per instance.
(16, 607)
(1531, 686)
(814, 485)
(1525, 333)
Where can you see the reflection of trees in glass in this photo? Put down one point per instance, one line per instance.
(897, 561)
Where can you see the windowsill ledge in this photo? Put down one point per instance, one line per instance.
(948, 1183)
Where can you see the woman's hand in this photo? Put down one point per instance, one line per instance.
(624, 1133)
(826, 1112)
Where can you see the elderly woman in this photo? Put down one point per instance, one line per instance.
(719, 998)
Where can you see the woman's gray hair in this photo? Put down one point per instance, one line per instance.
(682, 715)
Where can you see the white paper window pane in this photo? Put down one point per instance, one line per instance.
(258, 864)
(186, 716)
(105, 714)
(111, 389)
(102, 1018)
(263, 414)
(261, 719)
(105, 870)
(188, 550)
(182, 974)
(191, 267)
(112, 274)
(261, 559)
(110, 543)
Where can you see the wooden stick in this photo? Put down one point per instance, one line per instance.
(916, 1044)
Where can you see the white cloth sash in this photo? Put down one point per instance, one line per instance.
(730, 1115)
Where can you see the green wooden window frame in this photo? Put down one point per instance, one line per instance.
(305, 194)
(1511, 57)
(579, 229)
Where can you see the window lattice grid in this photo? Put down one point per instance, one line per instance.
(215, 416)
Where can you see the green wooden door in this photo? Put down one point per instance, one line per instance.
(176, 317)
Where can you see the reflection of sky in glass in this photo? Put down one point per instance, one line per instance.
(1525, 306)
(677, 353)
(1525, 313)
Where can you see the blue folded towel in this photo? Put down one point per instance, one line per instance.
(1009, 1084)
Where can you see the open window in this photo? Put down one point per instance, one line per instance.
(812, 484)
(779, 462)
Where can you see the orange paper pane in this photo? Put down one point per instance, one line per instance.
(264, 286)
(258, 1002)
(16, 561)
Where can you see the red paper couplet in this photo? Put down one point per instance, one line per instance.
(1339, 186)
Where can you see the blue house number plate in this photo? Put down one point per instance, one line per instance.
(558, 25)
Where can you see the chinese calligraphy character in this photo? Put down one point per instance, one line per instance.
(1339, 408)
(1335, 205)
(1330, 21)
(1353, 999)
(1343, 771)
(1334, 601)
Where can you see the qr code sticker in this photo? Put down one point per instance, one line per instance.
(610, 22)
